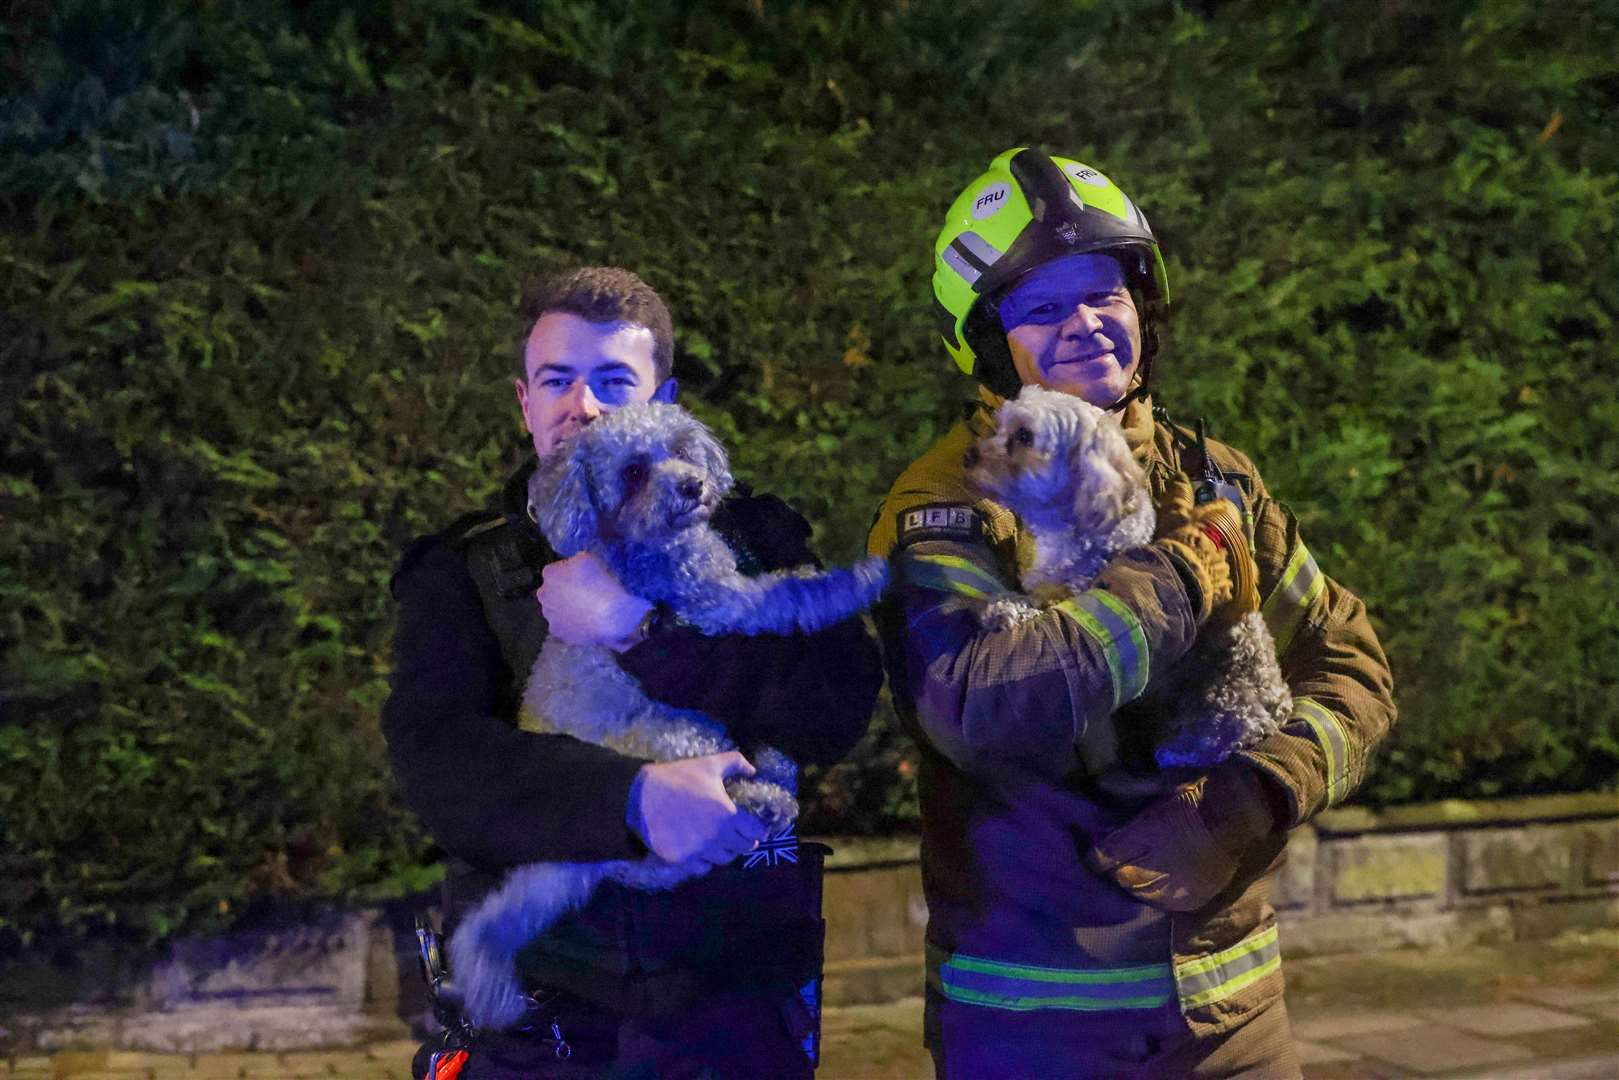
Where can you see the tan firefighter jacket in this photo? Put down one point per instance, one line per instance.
(1016, 920)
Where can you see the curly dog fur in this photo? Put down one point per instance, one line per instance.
(1063, 466)
(637, 488)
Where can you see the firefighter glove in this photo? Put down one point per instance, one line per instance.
(1209, 540)
(1180, 852)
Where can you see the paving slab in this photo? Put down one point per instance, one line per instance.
(1504, 1019)
(1431, 1049)
(236, 1065)
(1315, 1053)
(1571, 997)
(1355, 1069)
(393, 1053)
(1334, 1025)
(1600, 1067)
(1597, 1037)
(164, 1065)
(875, 1042)
(323, 1063)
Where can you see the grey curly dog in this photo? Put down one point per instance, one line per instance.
(636, 488)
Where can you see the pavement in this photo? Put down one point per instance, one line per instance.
(1532, 1010)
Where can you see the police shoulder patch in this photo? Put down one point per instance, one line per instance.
(938, 521)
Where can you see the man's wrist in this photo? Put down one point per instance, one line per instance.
(634, 818)
(658, 621)
(647, 627)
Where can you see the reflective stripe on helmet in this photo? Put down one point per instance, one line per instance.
(970, 255)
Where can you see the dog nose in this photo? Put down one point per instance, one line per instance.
(690, 488)
(970, 458)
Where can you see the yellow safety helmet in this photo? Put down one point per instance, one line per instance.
(1027, 209)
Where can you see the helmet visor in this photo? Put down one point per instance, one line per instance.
(1049, 294)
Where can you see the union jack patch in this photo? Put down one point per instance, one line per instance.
(777, 848)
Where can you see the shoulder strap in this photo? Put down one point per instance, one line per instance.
(505, 561)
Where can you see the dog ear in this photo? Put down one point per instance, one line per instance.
(560, 500)
(715, 460)
(1110, 485)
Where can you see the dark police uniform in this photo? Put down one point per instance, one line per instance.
(714, 977)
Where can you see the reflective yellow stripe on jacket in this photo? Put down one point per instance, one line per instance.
(1117, 632)
(948, 574)
(1284, 609)
(1211, 978)
(1329, 733)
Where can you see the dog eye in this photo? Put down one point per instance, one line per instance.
(1023, 437)
(634, 474)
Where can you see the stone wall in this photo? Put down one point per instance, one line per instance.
(330, 980)
(1445, 873)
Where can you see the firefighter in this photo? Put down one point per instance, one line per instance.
(1071, 932)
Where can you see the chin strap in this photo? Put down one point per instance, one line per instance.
(1136, 394)
(1149, 349)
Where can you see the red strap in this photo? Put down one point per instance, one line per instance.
(447, 1067)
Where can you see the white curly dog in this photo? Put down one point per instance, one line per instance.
(637, 488)
(1063, 467)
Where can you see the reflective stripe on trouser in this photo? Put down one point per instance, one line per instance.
(1107, 621)
(1325, 729)
(1285, 607)
(975, 980)
(1212, 978)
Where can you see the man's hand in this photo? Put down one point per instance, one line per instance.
(680, 810)
(1179, 852)
(585, 605)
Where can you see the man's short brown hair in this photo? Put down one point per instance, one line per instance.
(601, 294)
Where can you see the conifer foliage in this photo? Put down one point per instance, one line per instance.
(259, 264)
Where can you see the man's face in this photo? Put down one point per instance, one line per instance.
(1072, 327)
(576, 370)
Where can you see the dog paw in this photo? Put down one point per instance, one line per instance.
(1007, 612)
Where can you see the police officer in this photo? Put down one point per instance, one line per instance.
(718, 976)
(1072, 933)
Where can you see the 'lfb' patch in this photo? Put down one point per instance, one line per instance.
(939, 521)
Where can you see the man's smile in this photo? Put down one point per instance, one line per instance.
(1104, 354)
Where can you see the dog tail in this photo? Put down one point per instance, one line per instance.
(483, 949)
(793, 601)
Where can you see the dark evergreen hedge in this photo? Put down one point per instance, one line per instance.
(258, 273)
